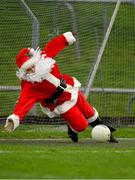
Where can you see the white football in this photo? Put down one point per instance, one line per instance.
(101, 133)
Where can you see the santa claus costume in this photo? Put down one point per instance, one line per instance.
(47, 83)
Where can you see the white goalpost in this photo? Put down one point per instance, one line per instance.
(102, 48)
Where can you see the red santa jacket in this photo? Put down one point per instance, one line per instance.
(32, 93)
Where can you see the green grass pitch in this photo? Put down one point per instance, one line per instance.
(36, 152)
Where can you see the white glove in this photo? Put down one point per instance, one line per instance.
(12, 123)
(9, 125)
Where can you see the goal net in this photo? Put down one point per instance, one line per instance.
(102, 59)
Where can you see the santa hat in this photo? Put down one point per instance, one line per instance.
(23, 61)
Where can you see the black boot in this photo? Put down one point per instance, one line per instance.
(72, 135)
(98, 122)
(113, 139)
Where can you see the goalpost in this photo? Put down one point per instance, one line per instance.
(102, 48)
(102, 59)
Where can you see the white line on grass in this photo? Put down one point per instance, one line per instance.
(56, 140)
(66, 151)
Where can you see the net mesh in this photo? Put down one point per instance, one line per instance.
(89, 20)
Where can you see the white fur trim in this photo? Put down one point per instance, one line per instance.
(61, 109)
(56, 82)
(32, 51)
(68, 104)
(76, 83)
(73, 129)
(69, 37)
(15, 119)
(28, 63)
(36, 56)
(53, 80)
(50, 114)
(94, 117)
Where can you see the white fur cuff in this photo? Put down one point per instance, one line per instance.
(69, 37)
(15, 119)
(94, 117)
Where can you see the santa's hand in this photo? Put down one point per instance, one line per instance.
(9, 125)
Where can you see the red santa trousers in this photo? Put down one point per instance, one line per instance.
(77, 116)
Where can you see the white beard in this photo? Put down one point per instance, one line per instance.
(42, 69)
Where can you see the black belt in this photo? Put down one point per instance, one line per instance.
(59, 91)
